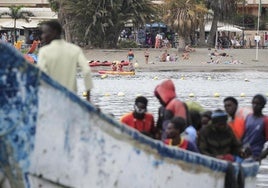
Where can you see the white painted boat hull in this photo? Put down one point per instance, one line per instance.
(52, 138)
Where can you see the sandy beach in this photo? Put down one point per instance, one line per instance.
(198, 60)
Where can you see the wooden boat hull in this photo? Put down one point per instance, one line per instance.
(116, 72)
(52, 138)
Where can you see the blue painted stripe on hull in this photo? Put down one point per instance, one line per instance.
(18, 100)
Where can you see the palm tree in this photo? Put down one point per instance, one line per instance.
(101, 22)
(64, 18)
(16, 12)
(222, 10)
(181, 16)
(201, 11)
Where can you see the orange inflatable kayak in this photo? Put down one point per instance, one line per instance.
(116, 72)
(105, 63)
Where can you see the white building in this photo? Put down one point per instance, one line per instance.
(26, 3)
(40, 10)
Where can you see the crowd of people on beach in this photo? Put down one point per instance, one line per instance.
(234, 134)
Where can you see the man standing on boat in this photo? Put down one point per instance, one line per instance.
(171, 106)
(140, 119)
(60, 59)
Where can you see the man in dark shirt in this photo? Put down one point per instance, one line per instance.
(218, 140)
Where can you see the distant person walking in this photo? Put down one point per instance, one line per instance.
(146, 55)
(60, 59)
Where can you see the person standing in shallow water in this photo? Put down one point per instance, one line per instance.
(146, 55)
(130, 55)
(60, 59)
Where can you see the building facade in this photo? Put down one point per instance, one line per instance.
(251, 7)
(25, 3)
(24, 29)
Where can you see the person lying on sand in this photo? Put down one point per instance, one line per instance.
(188, 48)
(216, 53)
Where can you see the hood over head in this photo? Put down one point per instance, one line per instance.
(165, 91)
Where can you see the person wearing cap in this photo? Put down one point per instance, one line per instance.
(218, 140)
(256, 128)
(237, 116)
(174, 129)
(139, 118)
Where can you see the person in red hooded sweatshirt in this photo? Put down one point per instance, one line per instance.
(171, 106)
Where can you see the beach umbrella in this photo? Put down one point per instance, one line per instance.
(230, 29)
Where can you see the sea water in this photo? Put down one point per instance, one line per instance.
(116, 94)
